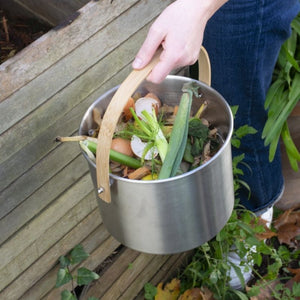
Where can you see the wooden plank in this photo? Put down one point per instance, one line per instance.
(46, 167)
(45, 51)
(69, 67)
(52, 184)
(16, 165)
(107, 279)
(97, 257)
(145, 274)
(49, 120)
(51, 11)
(38, 197)
(169, 270)
(44, 242)
(34, 229)
(98, 238)
(30, 181)
(24, 212)
(49, 259)
(125, 280)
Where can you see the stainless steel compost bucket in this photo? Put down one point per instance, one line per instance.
(175, 214)
(179, 213)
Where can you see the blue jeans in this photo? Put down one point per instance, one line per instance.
(243, 40)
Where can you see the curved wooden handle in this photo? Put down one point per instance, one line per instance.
(109, 122)
(204, 70)
(113, 112)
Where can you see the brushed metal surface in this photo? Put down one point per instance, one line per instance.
(179, 213)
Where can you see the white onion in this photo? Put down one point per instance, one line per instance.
(138, 147)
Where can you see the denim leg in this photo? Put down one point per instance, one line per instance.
(243, 40)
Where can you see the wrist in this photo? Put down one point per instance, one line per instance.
(205, 8)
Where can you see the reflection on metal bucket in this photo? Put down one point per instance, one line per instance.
(179, 213)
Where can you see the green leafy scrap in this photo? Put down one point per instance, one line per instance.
(197, 129)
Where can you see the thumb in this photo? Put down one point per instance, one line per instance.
(148, 49)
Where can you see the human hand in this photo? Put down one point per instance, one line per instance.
(179, 30)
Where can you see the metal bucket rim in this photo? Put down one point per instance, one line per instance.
(185, 174)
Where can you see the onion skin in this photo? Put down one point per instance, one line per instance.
(126, 111)
(122, 146)
(138, 148)
(146, 104)
(153, 96)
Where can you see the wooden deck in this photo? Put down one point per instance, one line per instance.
(47, 201)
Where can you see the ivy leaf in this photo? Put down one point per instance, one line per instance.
(78, 254)
(63, 276)
(85, 276)
(67, 295)
(64, 261)
(92, 298)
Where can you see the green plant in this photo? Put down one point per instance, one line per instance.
(237, 161)
(283, 95)
(209, 268)
(245, 234)
(84, 276)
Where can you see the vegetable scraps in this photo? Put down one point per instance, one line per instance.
(154, 141)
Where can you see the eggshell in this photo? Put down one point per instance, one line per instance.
(122, 145)
(146, 104)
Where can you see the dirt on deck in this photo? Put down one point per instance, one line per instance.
(17, 33)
